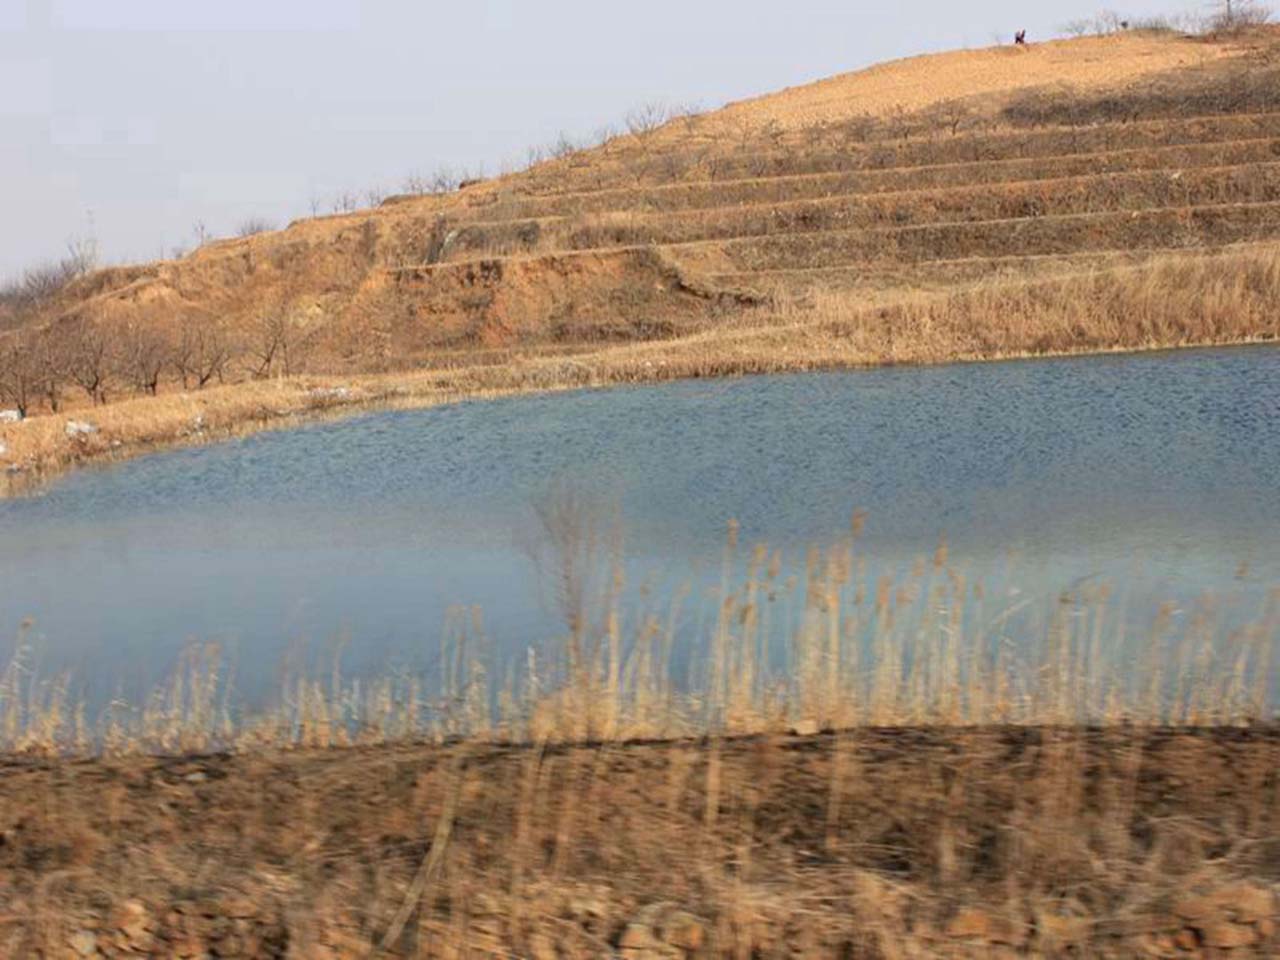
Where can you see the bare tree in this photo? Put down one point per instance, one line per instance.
(445, 180)
(415, 184)
(562, 147)
(1238, 14)
(253, 226)
(89, 358)
(643, 120)
(42, 282)
(201, 352)
(954, 113)
(51, 361)
(19, 373)
(276, 345)
(145, 352)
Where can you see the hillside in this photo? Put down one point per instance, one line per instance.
(972, 204)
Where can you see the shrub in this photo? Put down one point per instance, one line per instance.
(254, 225)
(1236, 15)
(43, 282)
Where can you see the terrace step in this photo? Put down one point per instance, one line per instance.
(934, 275)
(683, 158)
(722, 193)
(1246, 183)
(1167, 228)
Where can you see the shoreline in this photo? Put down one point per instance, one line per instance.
(234, 411)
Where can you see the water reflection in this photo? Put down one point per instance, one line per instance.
(1157, 473)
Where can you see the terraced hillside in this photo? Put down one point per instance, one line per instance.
(1117, 192)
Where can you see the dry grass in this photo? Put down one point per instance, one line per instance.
(981, 789)
(1169, 300)
(820, 647)
(893, 769)
(917, 83)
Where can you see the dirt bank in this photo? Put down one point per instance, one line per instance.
(1116, 842)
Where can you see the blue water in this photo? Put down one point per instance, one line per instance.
(1158, 471)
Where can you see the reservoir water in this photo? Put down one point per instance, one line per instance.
(1159, 473)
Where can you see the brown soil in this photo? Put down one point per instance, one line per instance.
(916, 83)
(881, 843)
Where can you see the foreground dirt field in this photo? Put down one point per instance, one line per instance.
(906, 842)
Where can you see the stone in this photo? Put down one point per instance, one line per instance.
(131, 918)
(1186, 939)
(638, 942)
(10, 416)
(805, 728)
(80, 428)
(1196, 909)
(236, 907)
(970, 924)
(541, 947)
(683, 930)
(1247, 902)
(1159, 945)
(1227, 936)
(336, 394)
(84, 943)
(1062, 932)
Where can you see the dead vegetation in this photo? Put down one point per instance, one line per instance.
(865, 775)
(777, 322)
(854, 767)
(881, 843)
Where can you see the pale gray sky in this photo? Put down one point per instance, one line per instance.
(132, 120)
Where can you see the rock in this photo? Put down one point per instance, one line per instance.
(334, 394)
(10, 416)
(236, 907)
(971, 924)
(1060, 932)
(1227, 936)
(683, 930)
(805, 728)
(974, 923)
(84, 943)
(541, 947)
(1247, 902)
(637, 937)
(1196, 909)
(1186, 939)
(132, 919)
(661, 930)
(80, 428)
(1158, 945)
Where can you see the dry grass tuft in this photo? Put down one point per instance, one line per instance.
(886, 771)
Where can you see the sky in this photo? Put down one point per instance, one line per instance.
(139, 124)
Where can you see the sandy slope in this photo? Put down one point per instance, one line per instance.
(914, 83)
